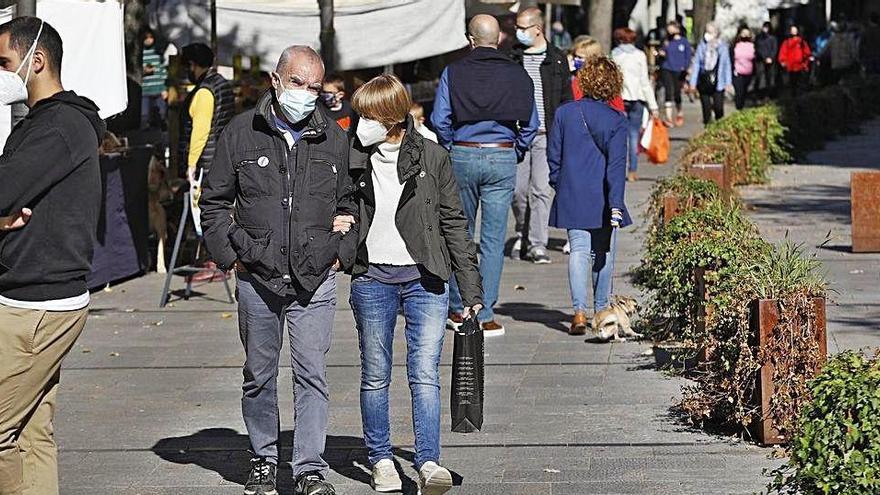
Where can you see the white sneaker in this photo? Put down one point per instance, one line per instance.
(517, 247)
(567, 248)
(385, 478)
(434, 479)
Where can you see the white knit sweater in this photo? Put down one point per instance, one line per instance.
(384, 244)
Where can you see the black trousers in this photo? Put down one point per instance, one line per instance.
(671, 81)
(712, 102)
(797, 81)
(765, 83)
(741, 87)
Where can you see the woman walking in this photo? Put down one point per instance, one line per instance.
(412, 237)
(743, 65)
(587, 156)
(637, 90)
(711, 73)
(676, 54)
(795, 58)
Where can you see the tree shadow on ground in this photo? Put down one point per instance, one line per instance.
(535, 313)
(225, 451)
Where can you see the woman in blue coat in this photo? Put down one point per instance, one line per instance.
(587, 157)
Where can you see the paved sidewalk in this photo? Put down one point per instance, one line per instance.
(150, 398)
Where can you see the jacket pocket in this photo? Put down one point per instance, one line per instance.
(322, 247)
(251, 244)
(255, 173)
(322, 179)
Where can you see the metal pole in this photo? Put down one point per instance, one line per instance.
(328, 35)
(214, 26)
(25, 8)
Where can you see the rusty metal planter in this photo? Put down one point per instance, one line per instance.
(763, 319)
(715, 172)
(865, 194)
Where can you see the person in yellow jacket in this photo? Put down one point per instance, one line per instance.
(206, 110)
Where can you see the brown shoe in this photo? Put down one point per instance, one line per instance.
(492, 328)
(578, 324)
(454, 320)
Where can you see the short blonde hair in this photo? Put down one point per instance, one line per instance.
(384, 99)
(600, 78)
(586, 43)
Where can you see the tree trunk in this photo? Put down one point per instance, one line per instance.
(704, 13)
(601, 17)
(328, 36)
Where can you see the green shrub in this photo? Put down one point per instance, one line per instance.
(818, 116)
(690, 192)
(747, 142)
(836, 447)
(716, 238)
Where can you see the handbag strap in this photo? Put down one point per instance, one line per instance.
(589, 132)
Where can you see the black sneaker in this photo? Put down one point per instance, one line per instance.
(261, 481)
(538, 256)
(313, 483)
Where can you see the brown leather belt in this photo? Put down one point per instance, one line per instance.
(470, 144)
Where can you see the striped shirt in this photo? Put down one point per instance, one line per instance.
(153, 83)
(532, 64)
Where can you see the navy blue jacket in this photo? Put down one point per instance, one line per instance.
(587, 168)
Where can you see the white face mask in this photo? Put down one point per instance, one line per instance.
(12, 88)
(371, 132)
(709, 37)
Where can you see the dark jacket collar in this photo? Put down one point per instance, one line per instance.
(409, 160)
(519, 50)
(316, 126)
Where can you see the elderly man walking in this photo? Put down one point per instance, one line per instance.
(279, 177)
(485, 113)
(548, 68)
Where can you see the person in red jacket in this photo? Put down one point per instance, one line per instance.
(795, 57)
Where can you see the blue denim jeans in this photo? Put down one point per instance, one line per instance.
(261, 319)
(591, 250)
(634, 112)
(375, 305)
(486, 179)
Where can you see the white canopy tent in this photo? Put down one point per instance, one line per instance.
(369, 33)
(94, 52)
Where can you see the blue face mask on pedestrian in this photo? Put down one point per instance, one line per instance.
(297, 104)
(523, 37)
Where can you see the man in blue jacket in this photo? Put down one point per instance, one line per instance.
(485, 113)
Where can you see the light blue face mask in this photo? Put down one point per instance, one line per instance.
(524, 38)
(297, 104)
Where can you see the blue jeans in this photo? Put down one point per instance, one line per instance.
(261, 319)
(375, 306)
(591, 250)
(486, 179)
(634, 113)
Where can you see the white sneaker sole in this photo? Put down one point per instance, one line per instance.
(387, 487)
(493, 333)
(451, 325)
(438, 484)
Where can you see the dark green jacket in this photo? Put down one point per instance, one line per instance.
(429, 216)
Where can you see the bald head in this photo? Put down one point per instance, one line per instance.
(484, 31)
(531, 16)
(299, 68)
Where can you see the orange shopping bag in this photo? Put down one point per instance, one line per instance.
(658, 150)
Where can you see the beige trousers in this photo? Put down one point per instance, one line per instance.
(32, 345)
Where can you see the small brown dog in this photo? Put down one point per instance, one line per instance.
(615, 322)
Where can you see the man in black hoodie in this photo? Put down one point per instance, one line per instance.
(50, 199)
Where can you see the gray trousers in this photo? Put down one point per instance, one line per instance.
(533, 195)
(261, 318)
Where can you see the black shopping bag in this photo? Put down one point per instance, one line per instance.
(467, 378)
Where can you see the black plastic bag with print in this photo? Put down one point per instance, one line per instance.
(467, 378)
